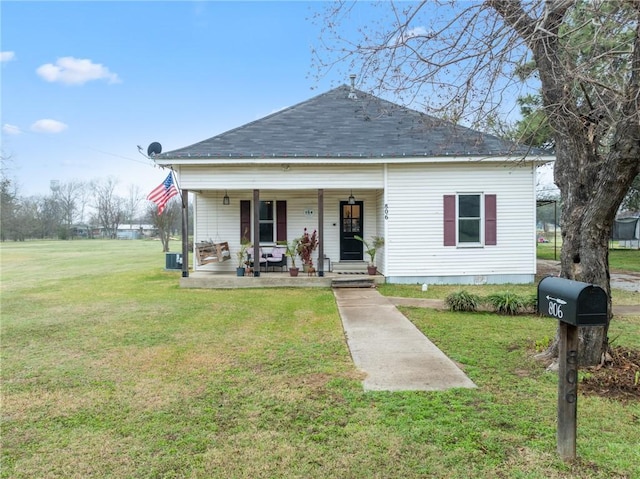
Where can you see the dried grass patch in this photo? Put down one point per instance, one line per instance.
(152, 378)
(79, 454)
(42, 403)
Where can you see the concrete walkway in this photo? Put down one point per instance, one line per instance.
(393, 353)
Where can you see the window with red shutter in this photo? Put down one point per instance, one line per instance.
(490, 220)
(465, 218)
(281, 219)
(267, 221)
(449, 220)
(245, 221)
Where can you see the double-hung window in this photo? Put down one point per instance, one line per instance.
(470, 220)
(267, 218)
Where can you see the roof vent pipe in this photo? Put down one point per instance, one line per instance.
(352, 93)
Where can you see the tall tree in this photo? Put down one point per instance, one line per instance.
(167, 222)
(463, 58)
(49, 216)
(9, 206)
(8, 200)
(632, 200)
(68, 195)
(31, 221)
(109, 207)
(533, 129)
(133, 201)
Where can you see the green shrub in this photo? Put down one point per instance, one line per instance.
(506, 302)
(531, 302)
(542, 344)
(462, 301)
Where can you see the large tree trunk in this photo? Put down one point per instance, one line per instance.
(597, 154)
(592, 187)
(594, 175)
(585, 247)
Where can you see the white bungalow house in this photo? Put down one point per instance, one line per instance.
(454, 205)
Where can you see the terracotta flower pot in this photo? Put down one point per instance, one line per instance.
(372, 270)
(293, 271)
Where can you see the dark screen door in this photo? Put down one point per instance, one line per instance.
(350, 225)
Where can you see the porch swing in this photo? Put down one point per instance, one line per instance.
(209, 252)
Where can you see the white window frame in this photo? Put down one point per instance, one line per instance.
(481, 219)
(273, 222)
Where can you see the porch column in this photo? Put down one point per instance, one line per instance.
(185, 233)
(256, 232)
(320, 232)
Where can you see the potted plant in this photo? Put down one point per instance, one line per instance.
(371, 247)
(307, 244)
(292, 252)
(242, 258)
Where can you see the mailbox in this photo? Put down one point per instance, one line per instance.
(572, 302)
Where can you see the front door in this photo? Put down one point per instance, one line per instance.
(351, 217)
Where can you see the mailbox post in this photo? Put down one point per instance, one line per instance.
(574, 304)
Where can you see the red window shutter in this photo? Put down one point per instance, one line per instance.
(490, 220)
(245, 220)
(449, 220)
(281, 218)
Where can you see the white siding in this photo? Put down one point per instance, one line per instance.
(403, 203)
(380, 231)
(295, 177)
(415, 221)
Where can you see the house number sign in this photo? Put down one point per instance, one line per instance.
(308, 212)
(386, 211)
(555, 307)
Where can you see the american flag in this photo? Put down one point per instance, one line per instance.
(163, 193)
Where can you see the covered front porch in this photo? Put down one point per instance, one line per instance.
(269, 219)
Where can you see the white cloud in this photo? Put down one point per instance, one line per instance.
(7, 56)
(415, 32)
(48, 126)
(76, 71)
(11, 129)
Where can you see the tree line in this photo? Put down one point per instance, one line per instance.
(79, 209)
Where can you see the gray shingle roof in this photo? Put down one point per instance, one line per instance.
(333, 125)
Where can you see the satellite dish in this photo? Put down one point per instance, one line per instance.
(154, 149)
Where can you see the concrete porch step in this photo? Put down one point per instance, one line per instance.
(355, 281)
(349, 267)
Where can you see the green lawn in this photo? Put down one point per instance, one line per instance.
(110, 370)
(619, 259)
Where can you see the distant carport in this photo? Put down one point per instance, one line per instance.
(540, 203)
(627, 230)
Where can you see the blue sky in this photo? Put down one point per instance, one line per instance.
(84, 83)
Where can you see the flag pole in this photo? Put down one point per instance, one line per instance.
(184, 200)
(175, 181)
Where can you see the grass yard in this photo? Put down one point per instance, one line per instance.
(619, 297)
(110, 370)
(619, 259)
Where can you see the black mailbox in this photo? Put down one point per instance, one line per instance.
(572, 302)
